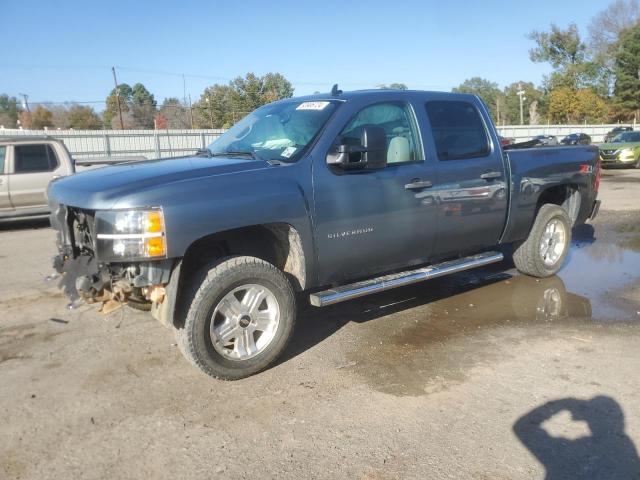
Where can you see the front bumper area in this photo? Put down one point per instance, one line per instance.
(616, 159)
(85, 279)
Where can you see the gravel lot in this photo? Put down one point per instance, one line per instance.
(484, 375)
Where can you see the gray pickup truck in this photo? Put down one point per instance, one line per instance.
(330, 197)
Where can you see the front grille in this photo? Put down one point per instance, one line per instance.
(74, 230)
(82, 224)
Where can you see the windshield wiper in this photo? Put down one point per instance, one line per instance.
(204, 152)
(236, 153)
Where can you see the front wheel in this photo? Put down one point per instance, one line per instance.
(545, 249)
(240, 319)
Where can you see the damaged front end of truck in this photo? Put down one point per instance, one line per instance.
(111, 257)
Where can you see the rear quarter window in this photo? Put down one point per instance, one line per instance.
(458, 130)
(3, 154)
(34, 158)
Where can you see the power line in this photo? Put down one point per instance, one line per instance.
(294, 82)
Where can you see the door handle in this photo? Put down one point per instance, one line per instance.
(491, 175)
(417, 184)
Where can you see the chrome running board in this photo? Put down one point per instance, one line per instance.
(386, 282)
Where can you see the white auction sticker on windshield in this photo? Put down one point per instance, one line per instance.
(312, 105)
(287, 152)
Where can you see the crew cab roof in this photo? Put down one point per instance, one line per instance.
(377, 92)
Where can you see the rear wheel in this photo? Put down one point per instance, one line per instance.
(545, 249)
(240, 319)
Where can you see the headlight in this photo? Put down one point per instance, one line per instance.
(626, 152)
(130, 234)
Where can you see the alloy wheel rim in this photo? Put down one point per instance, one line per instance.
(552, 244)
(244, 322)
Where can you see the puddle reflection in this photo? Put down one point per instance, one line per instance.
(421, 335)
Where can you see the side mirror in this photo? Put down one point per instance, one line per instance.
(371, 154)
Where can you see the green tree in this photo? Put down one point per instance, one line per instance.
(487, 90)
(276, 87)
(110, 115)
(220, 106)
(83, 118)
(565, 51)
(143, 106)
(216, 107)
(9, 111)
(248, 93)
(138, 105)
(627, 71)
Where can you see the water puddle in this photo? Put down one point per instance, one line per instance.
(415, 340)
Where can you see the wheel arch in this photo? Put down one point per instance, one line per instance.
(279, 243)
(567, 196)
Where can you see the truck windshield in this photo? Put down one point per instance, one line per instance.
(279, 131)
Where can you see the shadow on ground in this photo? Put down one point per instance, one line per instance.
(606, 453)
(33, 224)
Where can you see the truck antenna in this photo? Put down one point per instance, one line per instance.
(335, 91)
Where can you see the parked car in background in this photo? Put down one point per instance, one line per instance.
(546, 140)
(624, 149)
(576, 139)
(616, 131)
(27, 165)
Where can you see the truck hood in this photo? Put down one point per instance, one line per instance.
(618, 146)
(100, 188)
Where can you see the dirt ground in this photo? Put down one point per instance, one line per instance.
(483, 375)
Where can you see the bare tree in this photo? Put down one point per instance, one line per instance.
(606, 26)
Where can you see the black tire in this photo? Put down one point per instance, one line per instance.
(218, 280)
(527, 256)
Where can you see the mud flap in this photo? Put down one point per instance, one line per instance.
(595, 209)
(164, 312)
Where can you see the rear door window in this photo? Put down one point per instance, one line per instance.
(458, 130)
(34, 158)
(3, 154)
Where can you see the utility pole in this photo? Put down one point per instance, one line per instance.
(520, 94)
(208, 99)
(498, 110)
(191, 111)
(184, 89)
(26, 101)
(115, 81)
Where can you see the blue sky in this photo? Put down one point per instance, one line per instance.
(57, 51)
